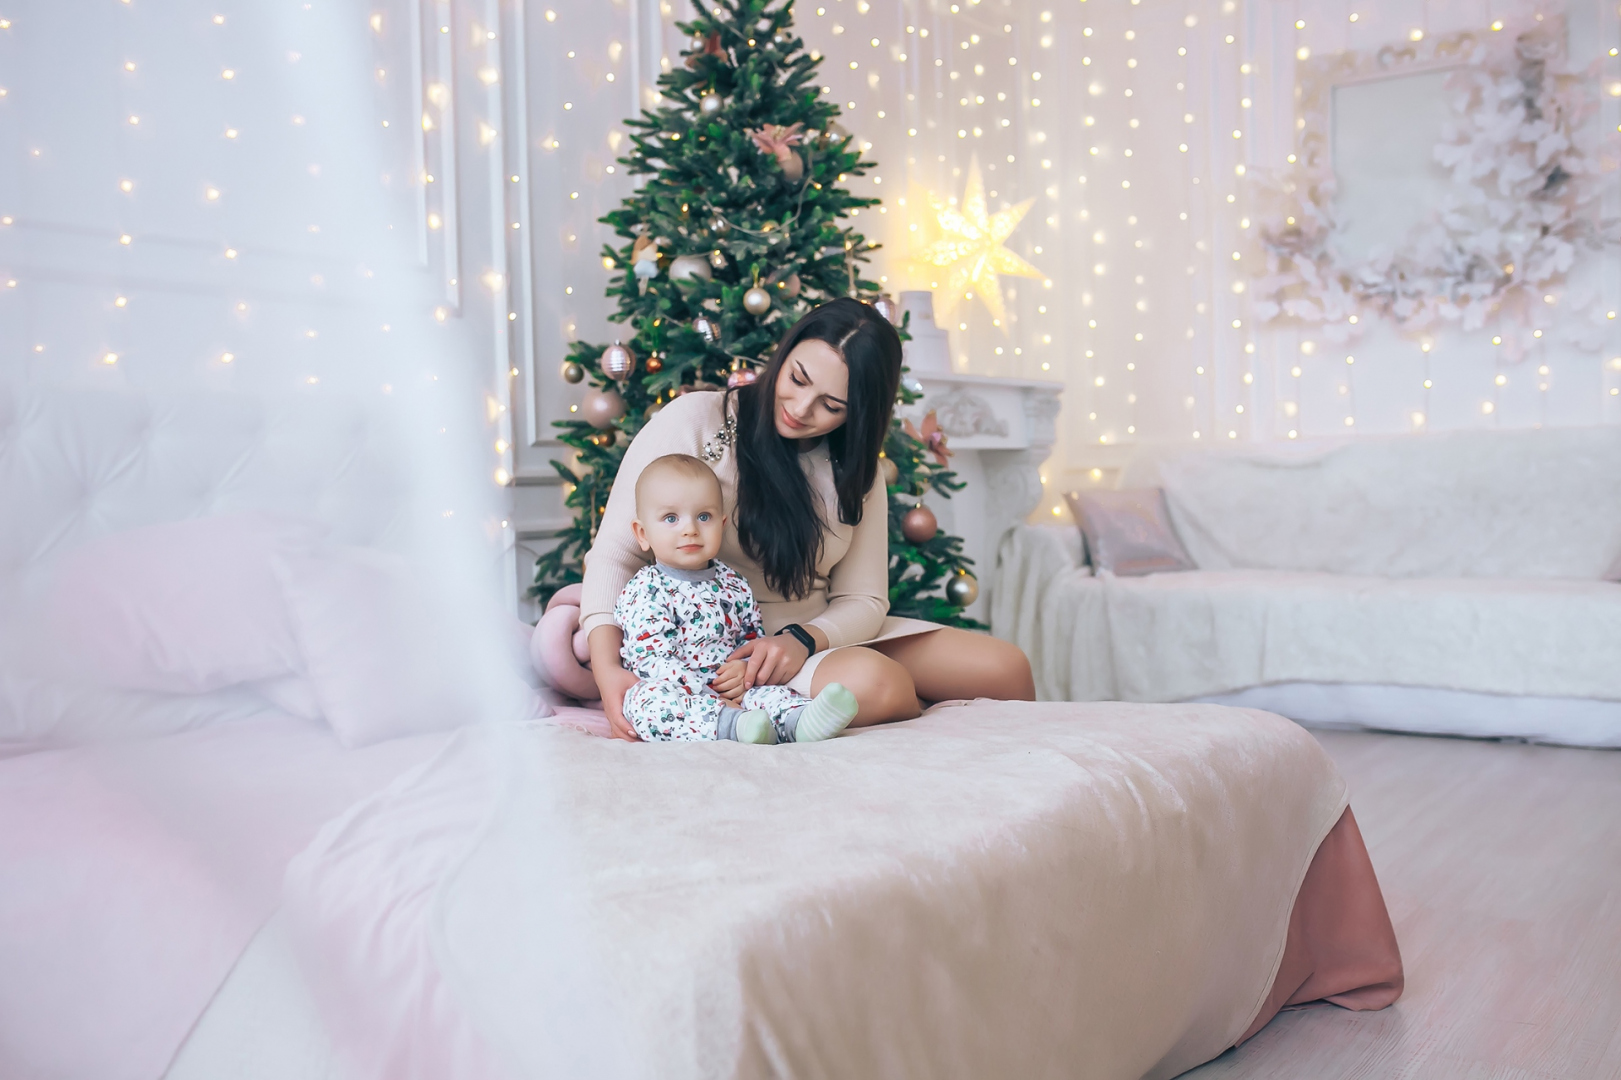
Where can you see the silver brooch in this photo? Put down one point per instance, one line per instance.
(715, 446)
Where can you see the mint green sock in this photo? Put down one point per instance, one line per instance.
(829, 713)
(754, 726)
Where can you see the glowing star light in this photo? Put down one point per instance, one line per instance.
(970, 248)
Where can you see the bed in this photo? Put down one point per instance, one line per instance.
(1104, 891)
(1100, 890)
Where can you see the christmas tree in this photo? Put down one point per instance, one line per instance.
(736, 232)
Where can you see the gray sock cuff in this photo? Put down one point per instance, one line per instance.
(789, 723)
(726, 723)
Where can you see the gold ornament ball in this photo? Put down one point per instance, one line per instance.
(756, 301)
(710, 104)
(617, 362)
(919, 525)
(717, 259)
(962, 589)
(572, 372)
(601, 408)
(720, 226)
(889, 471)
(654, 364)
(689, 268)
(790, 286)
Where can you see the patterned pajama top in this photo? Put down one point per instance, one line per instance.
(680, 626)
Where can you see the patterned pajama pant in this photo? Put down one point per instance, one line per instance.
(667, 710)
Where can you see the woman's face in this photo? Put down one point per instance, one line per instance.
(812, 391)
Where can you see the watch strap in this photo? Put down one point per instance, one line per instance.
(801, 635)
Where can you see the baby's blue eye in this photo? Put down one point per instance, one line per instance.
(669, 519)
(704, 516)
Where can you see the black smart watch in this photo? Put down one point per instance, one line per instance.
(801, 635)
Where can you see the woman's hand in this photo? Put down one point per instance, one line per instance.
(613, 681)
(728, 681)
(772, 661)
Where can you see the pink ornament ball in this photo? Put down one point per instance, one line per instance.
(618, 362)
(919, 524)
(601, 408)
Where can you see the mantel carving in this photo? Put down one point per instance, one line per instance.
(962, 414)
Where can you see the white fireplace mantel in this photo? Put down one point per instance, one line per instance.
(999, 431)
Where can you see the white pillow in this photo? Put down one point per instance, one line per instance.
(38, 713)
(388, 652)
(291, 694)
(184, 607)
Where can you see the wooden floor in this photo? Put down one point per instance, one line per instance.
(1501, 864)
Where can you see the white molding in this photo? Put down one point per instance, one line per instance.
(520, 241)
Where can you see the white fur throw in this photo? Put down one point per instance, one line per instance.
(1513, 504)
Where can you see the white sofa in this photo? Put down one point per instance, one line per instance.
(1450, 584)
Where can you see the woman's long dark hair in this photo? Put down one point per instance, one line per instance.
(779, 519)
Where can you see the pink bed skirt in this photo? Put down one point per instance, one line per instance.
(1341, 947)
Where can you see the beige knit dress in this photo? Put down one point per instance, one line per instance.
(849, 597)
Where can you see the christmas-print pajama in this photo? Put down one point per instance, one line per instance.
(680, 626)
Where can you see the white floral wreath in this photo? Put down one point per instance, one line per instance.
(1533, 170)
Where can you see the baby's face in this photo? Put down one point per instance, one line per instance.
(682, 522)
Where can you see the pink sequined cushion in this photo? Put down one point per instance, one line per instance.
(1128, 532)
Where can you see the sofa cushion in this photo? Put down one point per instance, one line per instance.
(1525, 504)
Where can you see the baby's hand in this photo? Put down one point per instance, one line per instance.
(728, 681)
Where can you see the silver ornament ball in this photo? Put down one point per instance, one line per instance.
(710, 103)
(756, 301)
(885, 306)
(704, 328)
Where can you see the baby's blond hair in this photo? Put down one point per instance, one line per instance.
(684, 465)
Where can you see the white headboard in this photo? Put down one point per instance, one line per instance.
(78, 464)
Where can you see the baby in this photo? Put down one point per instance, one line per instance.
(684, 615)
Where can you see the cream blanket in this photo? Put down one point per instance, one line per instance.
(993, 890)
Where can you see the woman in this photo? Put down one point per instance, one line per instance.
(808, 526)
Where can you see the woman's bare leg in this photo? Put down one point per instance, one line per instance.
(948, 664)
(882, 687)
